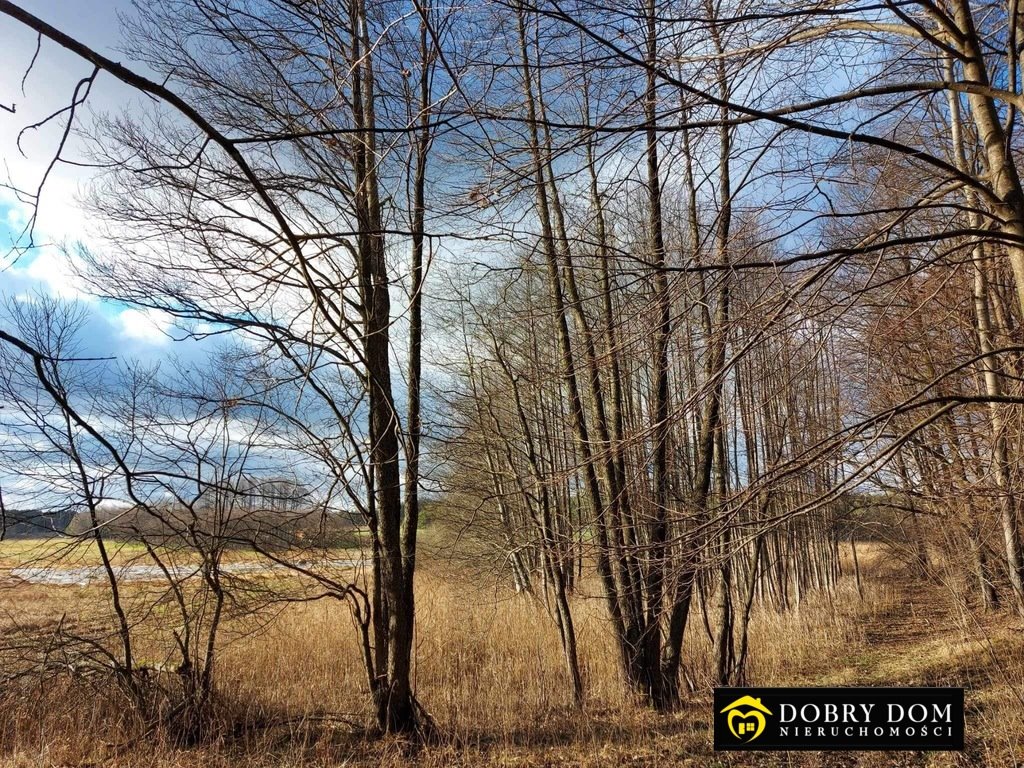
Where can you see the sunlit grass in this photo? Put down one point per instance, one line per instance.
(489, 668)
(78, 552)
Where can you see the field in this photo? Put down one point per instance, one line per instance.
(488, 668)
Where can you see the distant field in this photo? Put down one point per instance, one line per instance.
(68, 552)
(63, 552)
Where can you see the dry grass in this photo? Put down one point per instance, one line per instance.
(489, 668)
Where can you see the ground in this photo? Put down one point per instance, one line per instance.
(488, 668)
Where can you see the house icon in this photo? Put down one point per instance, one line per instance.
(746, 717)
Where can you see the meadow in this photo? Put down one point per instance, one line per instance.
(290, 690)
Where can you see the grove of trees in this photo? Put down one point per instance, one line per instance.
(648, 298)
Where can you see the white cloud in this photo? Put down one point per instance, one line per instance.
(16, 216)
(27, 154)
(52, 268)
(150, 326)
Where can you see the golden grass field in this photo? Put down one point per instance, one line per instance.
(489, 669)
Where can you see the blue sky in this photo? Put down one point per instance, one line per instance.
(112, 329)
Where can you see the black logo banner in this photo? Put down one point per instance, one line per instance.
(839, 718)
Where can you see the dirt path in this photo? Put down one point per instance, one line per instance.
(922, 638)
(921, 613)
(902, 639)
